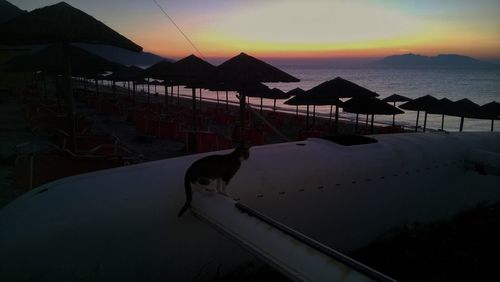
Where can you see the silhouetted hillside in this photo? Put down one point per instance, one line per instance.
(122, 56)
(8, 11)
(440, 61)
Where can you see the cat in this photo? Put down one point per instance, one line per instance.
(215, 167)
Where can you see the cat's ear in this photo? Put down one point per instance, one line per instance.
(245, 145)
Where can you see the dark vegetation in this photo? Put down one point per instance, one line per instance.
(464, 248)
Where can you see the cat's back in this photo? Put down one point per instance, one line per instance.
(207, 164)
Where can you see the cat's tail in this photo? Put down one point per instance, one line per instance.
(187, 187)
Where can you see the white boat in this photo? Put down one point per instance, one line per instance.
(121, 224)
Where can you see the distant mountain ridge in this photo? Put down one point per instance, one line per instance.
(8, 11)
(122, 56)
(451, 61)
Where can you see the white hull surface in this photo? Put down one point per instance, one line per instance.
(121, 224)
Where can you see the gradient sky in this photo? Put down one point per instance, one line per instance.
(298, 28)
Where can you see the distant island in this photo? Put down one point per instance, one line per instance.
(447, 61)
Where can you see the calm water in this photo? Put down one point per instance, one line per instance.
(480, 86)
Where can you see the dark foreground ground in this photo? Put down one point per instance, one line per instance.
(465, 248)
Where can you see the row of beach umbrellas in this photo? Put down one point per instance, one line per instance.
(242, 73)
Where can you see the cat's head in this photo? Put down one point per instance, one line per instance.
(243, 150)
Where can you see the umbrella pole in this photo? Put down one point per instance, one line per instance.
(97, 87)
(128, 88)
(372, 124)
(148, 90)
(336, 118)
(442, 122)
(69, 93)
(366, 122)
(178, 99)
(261, 104)
(461, 124)
(356, 126)
(330, 120)
(242, 116)
(425, 120)
(171, 94)
(227, 103)
(492, 124)
(416, 125)
(394, 117)
(166, 98)
(314, 115)
(297, 110)
(217, 92)
(274, 107)
(200, 99)
(193, 92)
(133, 90)
(307, 117)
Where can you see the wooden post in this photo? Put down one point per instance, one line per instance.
(416, 125)
(425, 120)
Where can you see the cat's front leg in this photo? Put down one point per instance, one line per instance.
(223, 188)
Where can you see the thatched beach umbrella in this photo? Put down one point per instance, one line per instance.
(62, 24)
(492, 109)
(162, 70)
(336, 89)
(244, 69)
(261, 91)
(441, 107)
(393, 99)
(369, 106)
(190, 71)
(155, 83)
(424, 103)
(129, 74)
(465, 108)
(51, 60)
(308, 100)
(294, 92)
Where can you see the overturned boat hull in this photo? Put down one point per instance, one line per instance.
(122, 224)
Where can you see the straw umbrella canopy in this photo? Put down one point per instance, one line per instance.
(424, 103)
(162, 70)
(294, 92)
(440, 108)
(159, 70)
(492, 109)
(128, 74)
(244, 69)
(369, 106)
(465, 108)
(337, 88)
(62, 24)
(50, 59)
(393, 99)
(155, 83)
(261, 91)
(308, 100)
(190, 71)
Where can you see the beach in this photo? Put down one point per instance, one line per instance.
(20, 138)
(147, 147)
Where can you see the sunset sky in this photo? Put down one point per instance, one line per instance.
(297, 28)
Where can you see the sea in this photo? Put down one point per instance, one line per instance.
(479, 85)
